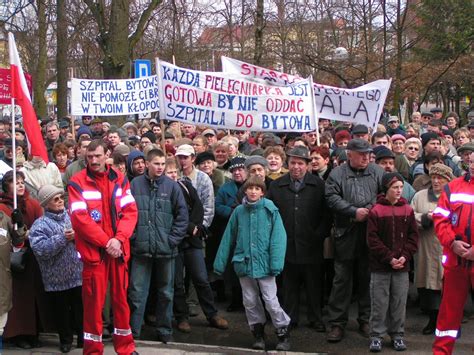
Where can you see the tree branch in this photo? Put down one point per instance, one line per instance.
(141, 26)
(97, 9)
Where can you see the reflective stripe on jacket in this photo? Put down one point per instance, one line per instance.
(102, 207)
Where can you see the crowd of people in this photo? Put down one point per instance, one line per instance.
(149, 221)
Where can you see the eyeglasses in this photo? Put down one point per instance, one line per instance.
(393, 122)
(58, 198)
(413, 148)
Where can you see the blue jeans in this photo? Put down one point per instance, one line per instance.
(140, 276)
(193, 260)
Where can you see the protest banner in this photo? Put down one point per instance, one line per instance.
(114, 97)
(232, 101)
(361, 105)
(5, 85)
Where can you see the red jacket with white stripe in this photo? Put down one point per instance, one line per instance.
(453, 216)
(102, 207)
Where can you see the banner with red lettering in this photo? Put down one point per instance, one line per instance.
(361, 105)
(234, 101)
(5, 86)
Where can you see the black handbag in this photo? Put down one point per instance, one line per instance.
(18, 260)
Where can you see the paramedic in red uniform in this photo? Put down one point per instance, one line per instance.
(103, 215)
(453, 220)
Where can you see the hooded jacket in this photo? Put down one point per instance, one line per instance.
(134, 154)
(391, 233)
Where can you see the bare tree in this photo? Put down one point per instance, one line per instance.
(61, 57)
(259, 26)
(39, 84)
(114, 37)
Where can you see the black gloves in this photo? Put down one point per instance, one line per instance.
(17, 218)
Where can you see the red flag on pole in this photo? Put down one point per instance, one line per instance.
(19, 91)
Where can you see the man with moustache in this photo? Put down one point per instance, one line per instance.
(351, 190)
(103, 215)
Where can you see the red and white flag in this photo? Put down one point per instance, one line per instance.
(19, 91)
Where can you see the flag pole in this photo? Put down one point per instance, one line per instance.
(15, 203)
(72, 119)
(162, 105)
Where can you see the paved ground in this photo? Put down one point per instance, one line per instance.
(236, 340)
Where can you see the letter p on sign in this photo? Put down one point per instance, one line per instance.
(142, 68)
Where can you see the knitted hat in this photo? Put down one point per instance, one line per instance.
(448, 132)
(442, 170)
(397, 137)
(384, 153)
(202, 157)
(47, 192)
(256, 159)
(389, 179)
(426, 137)
(237, 162)
(83, 130)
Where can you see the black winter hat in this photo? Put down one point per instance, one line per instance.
(389, 178)
(426, 137)
(150, 135)
(202, 157)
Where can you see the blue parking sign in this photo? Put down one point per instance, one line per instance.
(142, 67)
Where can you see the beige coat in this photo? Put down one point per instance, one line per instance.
(428, 266)
(39, 174)
(8, 237)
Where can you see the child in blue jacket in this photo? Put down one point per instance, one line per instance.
(256, 237)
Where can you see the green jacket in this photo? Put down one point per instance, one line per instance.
(256, 237)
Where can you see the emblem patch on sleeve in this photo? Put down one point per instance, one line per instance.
(95, 215)
(454, 219)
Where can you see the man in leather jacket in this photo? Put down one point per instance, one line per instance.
(351, 190)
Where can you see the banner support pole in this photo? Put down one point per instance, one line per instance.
(314, 110)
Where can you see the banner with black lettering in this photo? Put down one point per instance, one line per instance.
(232, 101)
(362, 105)
(114, 97)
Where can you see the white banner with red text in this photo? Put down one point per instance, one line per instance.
(234, 101)
(361, 105)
